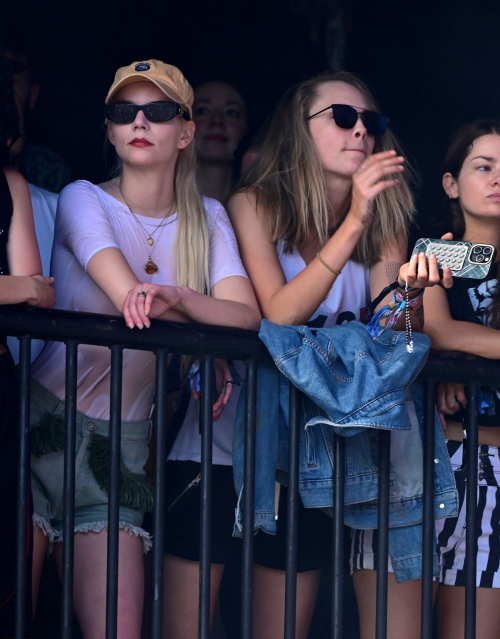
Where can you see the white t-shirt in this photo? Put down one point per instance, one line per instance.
(347, 301)
(90, 220)
(44, 205)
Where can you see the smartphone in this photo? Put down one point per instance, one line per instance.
(465, 259)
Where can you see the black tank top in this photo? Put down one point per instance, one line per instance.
(469, 301)
(6, 210)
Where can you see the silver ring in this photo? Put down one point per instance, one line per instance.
(143, 293)
(230, 381)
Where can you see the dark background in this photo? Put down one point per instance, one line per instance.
(433, 65)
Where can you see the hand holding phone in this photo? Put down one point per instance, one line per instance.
(422, 271)
(465, 259)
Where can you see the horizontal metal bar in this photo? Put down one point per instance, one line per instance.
(108, 330)
(201, 340)
(461, 367)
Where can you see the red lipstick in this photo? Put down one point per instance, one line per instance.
(140, 142)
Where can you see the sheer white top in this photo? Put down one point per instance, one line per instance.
(89, 220)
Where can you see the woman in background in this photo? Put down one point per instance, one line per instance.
(21, 281)
(219, 113)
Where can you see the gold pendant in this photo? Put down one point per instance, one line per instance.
(150, 241)
(150, 267)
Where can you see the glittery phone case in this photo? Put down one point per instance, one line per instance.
(465, 259)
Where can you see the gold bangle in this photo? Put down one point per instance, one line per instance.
(332, 270)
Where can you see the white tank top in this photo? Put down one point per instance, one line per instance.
(347, 301)
(349, 297)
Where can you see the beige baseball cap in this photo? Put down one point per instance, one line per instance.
(166, 77)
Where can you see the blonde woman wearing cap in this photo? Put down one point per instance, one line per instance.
(149, 225)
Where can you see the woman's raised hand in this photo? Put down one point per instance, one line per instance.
(370, 180)
(419, 274)
(146, 301)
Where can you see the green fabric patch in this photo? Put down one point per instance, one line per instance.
(48, 435)
(135, 490)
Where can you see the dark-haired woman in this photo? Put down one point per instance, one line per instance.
(322, 227)
(21, 281)
(462, 318)
(467, 318)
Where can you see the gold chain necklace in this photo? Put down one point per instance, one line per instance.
(150, 267)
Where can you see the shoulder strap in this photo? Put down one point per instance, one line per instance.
(373, 305)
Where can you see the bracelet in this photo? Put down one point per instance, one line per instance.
(410, 289)
(332, 270)
(400, 297)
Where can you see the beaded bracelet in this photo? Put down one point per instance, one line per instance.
(393, 312)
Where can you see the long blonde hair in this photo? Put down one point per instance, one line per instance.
(288, 175)
(192, 241)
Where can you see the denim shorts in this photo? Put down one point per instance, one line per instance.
(91, 470)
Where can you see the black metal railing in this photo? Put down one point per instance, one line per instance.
(206, 343)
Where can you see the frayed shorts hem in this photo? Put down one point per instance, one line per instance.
(55, 536)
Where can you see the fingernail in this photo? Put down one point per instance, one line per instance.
(432, 255)
(393, 152)
(140, 326)
(130, 325)
(146, 312)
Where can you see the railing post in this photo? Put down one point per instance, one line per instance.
(428, 525)
(338, 540)
(159, 493)
(23, 485)
(292, 521)
(206, 426)
(69, 490)
(384, 464)
(114, 491)
(249, 498)
(471, 510)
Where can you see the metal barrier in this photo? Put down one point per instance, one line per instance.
(207, 342)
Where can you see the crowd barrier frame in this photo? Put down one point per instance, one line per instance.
(206, 343)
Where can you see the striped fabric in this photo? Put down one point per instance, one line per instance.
(451, 532)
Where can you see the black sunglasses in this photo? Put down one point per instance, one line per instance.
(124, 112)
(346, 116)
